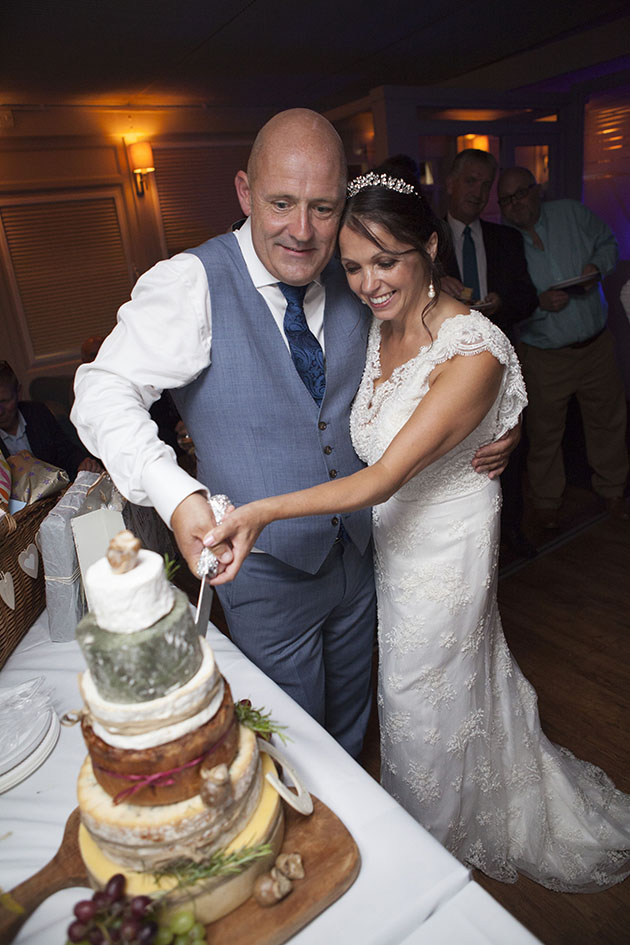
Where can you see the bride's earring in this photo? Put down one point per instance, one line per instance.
(431, 290)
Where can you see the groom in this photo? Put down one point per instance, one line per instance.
(216, 325)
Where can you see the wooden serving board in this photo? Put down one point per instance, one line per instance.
(65, 869)
(331, 862)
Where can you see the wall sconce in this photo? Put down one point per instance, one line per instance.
(479, 142)
(141, 161)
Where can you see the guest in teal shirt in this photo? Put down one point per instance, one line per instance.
(565, 347)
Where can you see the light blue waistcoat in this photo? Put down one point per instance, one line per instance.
(257, 431)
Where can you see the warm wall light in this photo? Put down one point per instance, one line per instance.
(141, 161)
(480, 142)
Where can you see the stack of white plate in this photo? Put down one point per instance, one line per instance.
(30, 734)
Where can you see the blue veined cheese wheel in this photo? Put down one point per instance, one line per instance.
(145, 664)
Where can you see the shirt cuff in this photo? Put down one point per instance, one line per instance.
(167, 484)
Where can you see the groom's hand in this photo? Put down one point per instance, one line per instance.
(492, 458)
(190, 521)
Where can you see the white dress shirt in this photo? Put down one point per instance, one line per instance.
(162, 340)
(17, 441)
(457, 232)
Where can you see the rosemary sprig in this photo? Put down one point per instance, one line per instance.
(259, 721)
(187, 872)
(170, 566)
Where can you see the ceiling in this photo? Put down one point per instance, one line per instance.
(270, 53)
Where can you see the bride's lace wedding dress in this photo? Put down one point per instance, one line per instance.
(461, 743)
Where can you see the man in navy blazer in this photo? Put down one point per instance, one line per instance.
(27, 424)
(503, 290)
(507, 294)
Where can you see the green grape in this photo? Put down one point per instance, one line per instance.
(197, 933)
(164, 936)
(183, 939)
(182, 922)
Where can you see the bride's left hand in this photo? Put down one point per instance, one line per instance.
(241, 528)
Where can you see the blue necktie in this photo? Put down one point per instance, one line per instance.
(469, 260)
(305, 348)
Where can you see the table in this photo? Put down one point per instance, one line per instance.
(472, 917)
(405, 877)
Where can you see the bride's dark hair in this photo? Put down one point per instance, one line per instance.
(408, 217)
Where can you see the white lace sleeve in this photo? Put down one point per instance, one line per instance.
(470, 334)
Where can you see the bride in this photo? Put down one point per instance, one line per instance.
(461, 744)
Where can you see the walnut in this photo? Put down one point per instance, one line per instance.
(216, 786)
(290, 864)
(270, 888)
(122, 552)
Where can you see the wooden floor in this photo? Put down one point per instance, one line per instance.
(566, 616)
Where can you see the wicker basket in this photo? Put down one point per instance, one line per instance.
(22, 595)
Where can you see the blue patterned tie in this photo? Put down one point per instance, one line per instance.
(305, 348)
(469, 260)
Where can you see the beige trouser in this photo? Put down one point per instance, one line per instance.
(552, 376)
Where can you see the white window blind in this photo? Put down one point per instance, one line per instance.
(196, 192)
(70, 268)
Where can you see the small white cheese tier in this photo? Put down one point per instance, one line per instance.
(110, 719)
(210, 898)
(147, 664)
(146, 838)
(123, 603)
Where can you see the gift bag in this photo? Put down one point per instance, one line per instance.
(33, 479)
(65, 600)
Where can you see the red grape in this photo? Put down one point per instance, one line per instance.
(115, 887)
(95, 936)
(85, 910)
(147, 933)
(129, 928)
(76, 931)
(139, 906)
(101, 900)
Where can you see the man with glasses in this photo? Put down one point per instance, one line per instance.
(566, 348)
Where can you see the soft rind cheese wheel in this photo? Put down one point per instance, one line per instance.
(124, 603)
(138, 725)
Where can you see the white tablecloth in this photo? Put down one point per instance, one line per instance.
(405, 875)
(471, 917)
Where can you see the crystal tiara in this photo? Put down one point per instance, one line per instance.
(372, 179)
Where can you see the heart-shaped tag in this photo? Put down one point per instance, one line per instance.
(28, 560)
(7, 591)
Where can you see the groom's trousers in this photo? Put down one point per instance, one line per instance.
(311, 633)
